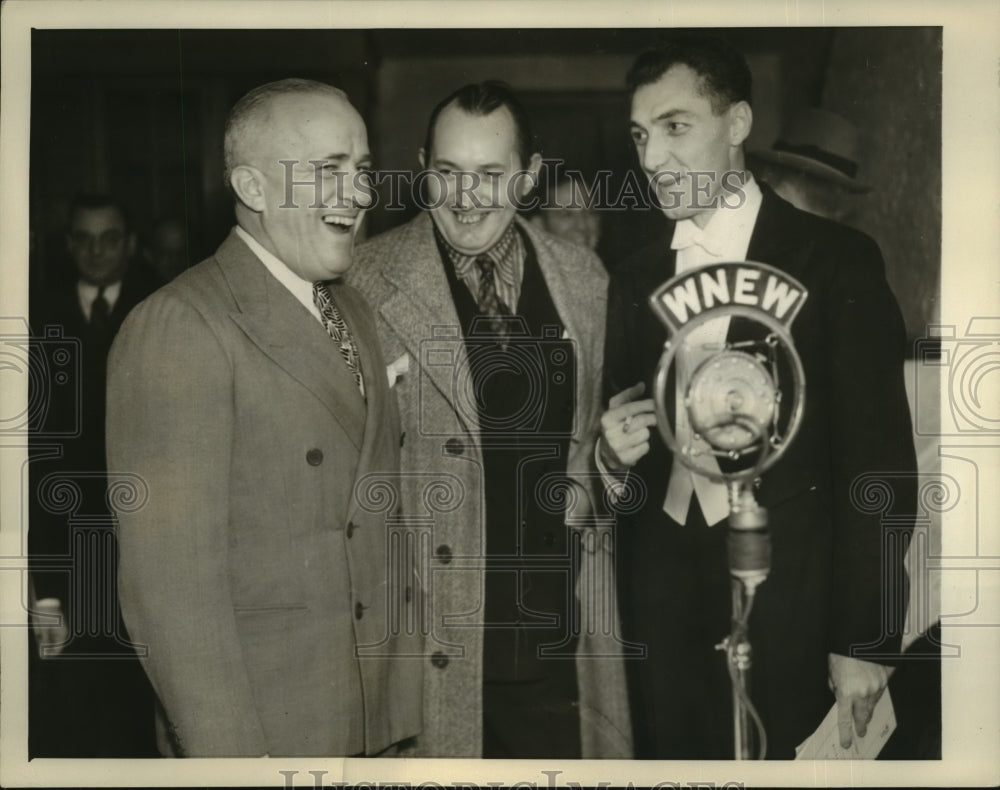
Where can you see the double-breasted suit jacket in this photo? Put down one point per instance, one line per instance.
(402, 275)
(254, 564)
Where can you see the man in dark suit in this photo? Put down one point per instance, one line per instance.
(824, 619)
(89, 697)
(249, 408)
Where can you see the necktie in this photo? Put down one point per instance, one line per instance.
(337, 328)
(99, 310)
(488, 301)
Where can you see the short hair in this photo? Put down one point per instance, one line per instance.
(91, 201)
(253, 105)
(724, 73)
(481, 99)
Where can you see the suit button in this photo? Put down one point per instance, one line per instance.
(402, 438)
(359, 610)
(409, 594)
(440, 660)
(454, 447)
(350, 529)
(314, 457)
(443, 554)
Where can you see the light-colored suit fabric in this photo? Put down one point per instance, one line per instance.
(258, 562)
(402, 276)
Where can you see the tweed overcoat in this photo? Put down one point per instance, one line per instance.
(402, 275)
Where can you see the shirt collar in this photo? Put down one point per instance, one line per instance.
(301, 289)
(506, 255)
(727, 226)
(87, 293)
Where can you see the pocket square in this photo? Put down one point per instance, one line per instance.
(397, 369)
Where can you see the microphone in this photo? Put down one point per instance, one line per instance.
(742, 418)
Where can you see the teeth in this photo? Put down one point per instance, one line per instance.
(336, 219)
(469, 219)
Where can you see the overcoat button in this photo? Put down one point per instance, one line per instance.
(454, 447)
(440, 660)
(444, 554)
(359, 610)
(314, 457)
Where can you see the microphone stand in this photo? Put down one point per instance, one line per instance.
(749, 550)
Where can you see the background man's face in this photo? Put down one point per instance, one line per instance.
(311, 229)
(483, 148)
(677, 137)
(100, 244)
(570, 219)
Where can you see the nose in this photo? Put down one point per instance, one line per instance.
(656, 155)
(360, 189)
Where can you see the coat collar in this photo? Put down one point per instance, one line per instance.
(285, 331)
(421, 308)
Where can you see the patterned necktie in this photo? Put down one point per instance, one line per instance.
(489, 302)
(337, 328)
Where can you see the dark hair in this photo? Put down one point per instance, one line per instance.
(482, 99)
(724, 73)
(88, 201)
(255, 102)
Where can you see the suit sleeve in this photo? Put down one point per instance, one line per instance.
(872, 454)
(170, 421)
(620, 371)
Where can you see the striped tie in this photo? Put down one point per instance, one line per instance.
(337, 329)
(489, 300)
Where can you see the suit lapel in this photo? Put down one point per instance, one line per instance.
(421, 308)
(294, 340)
(373, 370)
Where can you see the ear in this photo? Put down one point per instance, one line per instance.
(529, 176)
(130, 245)
(740, 122)
(248, 186)
(423, 158)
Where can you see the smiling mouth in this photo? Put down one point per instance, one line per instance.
(469, 217)
(340, 222)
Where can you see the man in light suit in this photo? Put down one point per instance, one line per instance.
(249, 399)
(502, 326)
(831, 611)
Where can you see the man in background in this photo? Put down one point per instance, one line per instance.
(250, 397)
(814, 163)
(89, 697)
(502, 327)
(564, 213)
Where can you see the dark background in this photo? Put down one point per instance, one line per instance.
(140, 113)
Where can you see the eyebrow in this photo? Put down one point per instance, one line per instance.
(448, 163)
(365, 158)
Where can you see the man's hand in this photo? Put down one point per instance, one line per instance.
(625, 428)
(51, 637)
(857, 685)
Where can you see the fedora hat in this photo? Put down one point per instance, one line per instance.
(820, 143)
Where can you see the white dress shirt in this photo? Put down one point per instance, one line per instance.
(725, 237)
(87, 293)
(301, 289)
